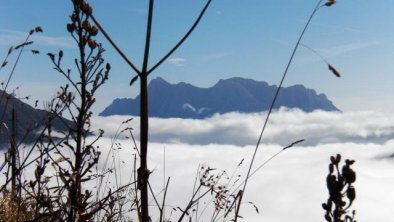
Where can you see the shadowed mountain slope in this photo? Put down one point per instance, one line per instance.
(231, 95)
(28, 120)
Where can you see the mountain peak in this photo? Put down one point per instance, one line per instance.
(159, 80)
(235, 94)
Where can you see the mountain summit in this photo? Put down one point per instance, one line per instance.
(184, 100)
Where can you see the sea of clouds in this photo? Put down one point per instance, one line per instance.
(284, 127)
(291, 187)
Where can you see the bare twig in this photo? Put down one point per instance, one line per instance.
(182, 39)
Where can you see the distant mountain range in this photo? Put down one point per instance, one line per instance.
(28, 120)
(184, 100)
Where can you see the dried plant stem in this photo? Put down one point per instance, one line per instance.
(15, 64)
(162, 209)
(183, 38)
(193, 201)
(143, 172)
(111, 41)
(22, 46)
(315, 52)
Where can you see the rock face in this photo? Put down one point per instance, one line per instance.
(183, 100)
(28, 120)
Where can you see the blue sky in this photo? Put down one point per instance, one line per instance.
(249, 38)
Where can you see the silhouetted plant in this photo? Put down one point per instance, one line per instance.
(13, 206)
(74, 156)
(77, 168)
(211, 181)
(19, 49)
(341, 191)
(142, 74)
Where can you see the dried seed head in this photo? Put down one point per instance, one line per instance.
(74, 17)
(51, 56)
(349, 162)
(10, 50)
(351, 193)
(86, 25)
(334, 71)
(38, 29)
(70, 27)
(86, 8)
(332, 158)
(330, 2)
(92, 44)
(77, 2)
(108, 66)
(93, 31)
(338, 158)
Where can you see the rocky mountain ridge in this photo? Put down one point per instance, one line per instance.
(183, 100)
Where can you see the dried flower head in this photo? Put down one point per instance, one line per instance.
(93, 30)
(334, 71)
(330, 2)
(35, 51)
(70, 27)
(86, 25)
(86, 8)
(92, 44)
(38, 29)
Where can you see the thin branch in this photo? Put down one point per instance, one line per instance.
(162, 211)
(148, 39)
(182, 39)
(154, 196)
(127, 60)
(251, 174)
(315, 52)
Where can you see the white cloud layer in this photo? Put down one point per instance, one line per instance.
(284, 127)
(292, 186)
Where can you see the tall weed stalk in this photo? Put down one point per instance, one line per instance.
(142, 74)
(320, 4)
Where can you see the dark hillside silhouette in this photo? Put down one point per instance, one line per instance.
(28, 120)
